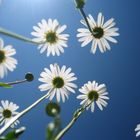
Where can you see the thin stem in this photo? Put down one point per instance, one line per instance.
(85, 18)
(76, 115)
(1, 120)
(19, 115)
(17, 82)
(17, 36)
(82, 12)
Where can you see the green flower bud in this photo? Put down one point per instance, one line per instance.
(29, 77)
(52, 109)
(80, 3)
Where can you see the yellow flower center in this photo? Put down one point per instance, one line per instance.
(51, 37)
(7, 113)
(2, 56)
(93, 95)
(98, 32)
(58, 82)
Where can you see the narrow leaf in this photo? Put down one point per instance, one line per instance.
(5, 85)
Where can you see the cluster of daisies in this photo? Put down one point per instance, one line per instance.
(49, 34)
(59, 80)
(53, 41)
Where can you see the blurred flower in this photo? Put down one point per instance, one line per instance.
(60, 80)
(50, 34)
(6, 61)
(53, 109)
(7, 112)
(138, 130)
(92, 92)
(102, 33)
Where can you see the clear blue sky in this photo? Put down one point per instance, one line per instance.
(119, 68)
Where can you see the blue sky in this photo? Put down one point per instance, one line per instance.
(118, 68)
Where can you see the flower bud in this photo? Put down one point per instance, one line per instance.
(52, 109)
(29, 77)
(80, 3)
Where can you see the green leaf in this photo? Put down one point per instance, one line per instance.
(5, 85)
(11, 136)
(49, 133)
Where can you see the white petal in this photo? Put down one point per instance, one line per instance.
(1, 43)
(87, 41)
(99, 20)
(94, 46)
(61, 29)
(107, 23)
(92, 107)
(99, 105)
(100, 46)
(58, 95)
(111, 39)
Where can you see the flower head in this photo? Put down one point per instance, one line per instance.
(58, 79)
(103, 32)
(50, 34)
(7, 112)
(137, 129)
(91, 93)
(7, 62)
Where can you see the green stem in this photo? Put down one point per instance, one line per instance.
(16, 82)
(19, 115)
(85, 18)
(82, 12)
(1, 121)
(17, 36)
(76, 115)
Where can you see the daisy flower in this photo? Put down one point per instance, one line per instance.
(103, 33)
(50, 34)
(60, 80)
(93, 92)
(137, 129)
(7, 112)
(7, 62)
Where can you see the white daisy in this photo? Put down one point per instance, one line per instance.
(7, 112)
(50, 33)
(7, 62)
(137, 129)
(59, 80)
(103, 32)
(91, 93)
